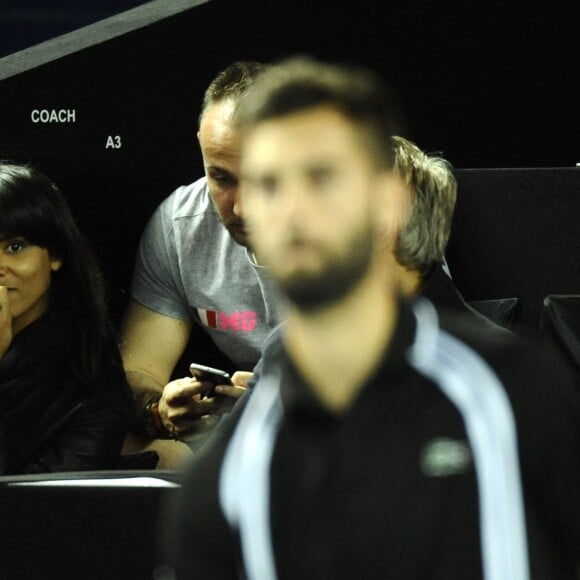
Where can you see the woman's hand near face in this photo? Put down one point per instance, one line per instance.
(5, 321)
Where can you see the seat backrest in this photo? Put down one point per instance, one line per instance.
(515, 234)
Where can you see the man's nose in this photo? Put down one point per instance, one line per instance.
(295, 199)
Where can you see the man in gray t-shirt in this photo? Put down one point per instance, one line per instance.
(193, 267)
(188, 267)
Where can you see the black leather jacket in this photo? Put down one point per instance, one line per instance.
(50, 419)
(88, 437)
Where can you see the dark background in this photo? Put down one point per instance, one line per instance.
(487, 85)
(492, 87)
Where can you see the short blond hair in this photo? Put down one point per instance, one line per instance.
(423, 238)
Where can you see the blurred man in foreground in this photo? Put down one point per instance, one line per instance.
(382, 440)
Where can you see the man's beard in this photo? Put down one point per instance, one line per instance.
(314, 291)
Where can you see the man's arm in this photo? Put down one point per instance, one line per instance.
(151, 346)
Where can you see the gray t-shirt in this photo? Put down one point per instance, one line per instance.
(189, 267)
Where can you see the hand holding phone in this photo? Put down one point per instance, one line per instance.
(210, 375)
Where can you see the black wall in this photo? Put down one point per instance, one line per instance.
(490, 84)
(487, 85)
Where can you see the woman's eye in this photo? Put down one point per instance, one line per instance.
(15, 247)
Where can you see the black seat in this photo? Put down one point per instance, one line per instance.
(502, 311)
(560, 327)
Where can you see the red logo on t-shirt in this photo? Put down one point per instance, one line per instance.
(238, 321)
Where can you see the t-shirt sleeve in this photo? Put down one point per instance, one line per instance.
(156, 282)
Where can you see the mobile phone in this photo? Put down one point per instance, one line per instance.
(210, 375)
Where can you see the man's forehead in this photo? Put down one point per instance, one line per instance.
(316, 143)
(221, 112)
(219, 138)
(316, 128)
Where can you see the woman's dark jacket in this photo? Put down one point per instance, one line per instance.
(50, 419)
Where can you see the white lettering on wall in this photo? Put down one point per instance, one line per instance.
(113, 142)
(53, 116)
